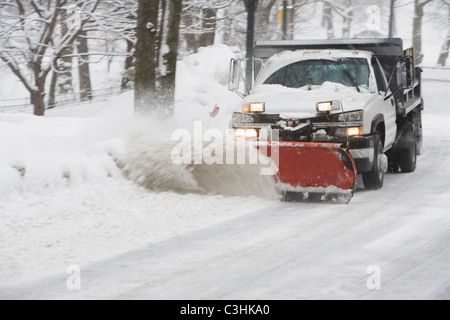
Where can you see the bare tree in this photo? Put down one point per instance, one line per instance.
(27, 42)
(114, 25)
(199, 22)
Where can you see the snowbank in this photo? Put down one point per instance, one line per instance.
(42, 153)
(202, 83)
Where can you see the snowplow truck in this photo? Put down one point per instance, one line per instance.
(341, 108)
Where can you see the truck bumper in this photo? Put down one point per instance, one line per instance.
(362, 150)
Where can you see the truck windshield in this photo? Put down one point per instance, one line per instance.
(351, 72)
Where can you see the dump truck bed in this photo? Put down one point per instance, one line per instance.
(381, 47)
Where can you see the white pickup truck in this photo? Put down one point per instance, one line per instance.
(363, 93)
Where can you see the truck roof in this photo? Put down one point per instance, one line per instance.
(382, 47)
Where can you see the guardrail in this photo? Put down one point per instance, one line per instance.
(25, 104)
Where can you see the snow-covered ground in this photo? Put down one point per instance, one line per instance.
(64, 201)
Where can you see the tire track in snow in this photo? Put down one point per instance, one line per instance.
(426, 266)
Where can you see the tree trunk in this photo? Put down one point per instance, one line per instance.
(227, 37)
(61, 82)
(444, 51)
(38, 102)
(129, 64)
(38, 94)
(446, 45)
(392, 20)
(168, 64)
(209, 21)
(417, 30)
(52, 92)
(64, 64)
(327, 20)
(145, 77)
(84, 70)
(162, 26)
(347, 19)
(188, 23)
(263, 18)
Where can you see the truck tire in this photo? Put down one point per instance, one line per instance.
(407, 155)
(374, 179)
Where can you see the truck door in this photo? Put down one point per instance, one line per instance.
(387, 103)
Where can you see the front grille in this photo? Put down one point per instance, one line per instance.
(318, 129)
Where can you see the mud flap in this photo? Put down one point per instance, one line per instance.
(313, 170)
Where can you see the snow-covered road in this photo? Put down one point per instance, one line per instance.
(131, 243)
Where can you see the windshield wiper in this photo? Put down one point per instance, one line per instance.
(308, 71)
(350, 76)
(352, 79)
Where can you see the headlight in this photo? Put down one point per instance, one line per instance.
(356, 131)
(247, 133)
(349, 132)
(255, 107)
(251, 133)
(239, 132)
(350, 116)
(328, 106)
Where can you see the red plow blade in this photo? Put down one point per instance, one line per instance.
(313, 168)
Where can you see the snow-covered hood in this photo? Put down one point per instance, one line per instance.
(301, 103)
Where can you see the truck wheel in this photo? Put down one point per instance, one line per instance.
(407, 155)
(373, 180)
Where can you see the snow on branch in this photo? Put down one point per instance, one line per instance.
(208, 4)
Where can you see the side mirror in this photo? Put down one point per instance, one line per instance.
(234, 75)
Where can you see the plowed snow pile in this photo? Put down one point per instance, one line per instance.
(148, 161)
